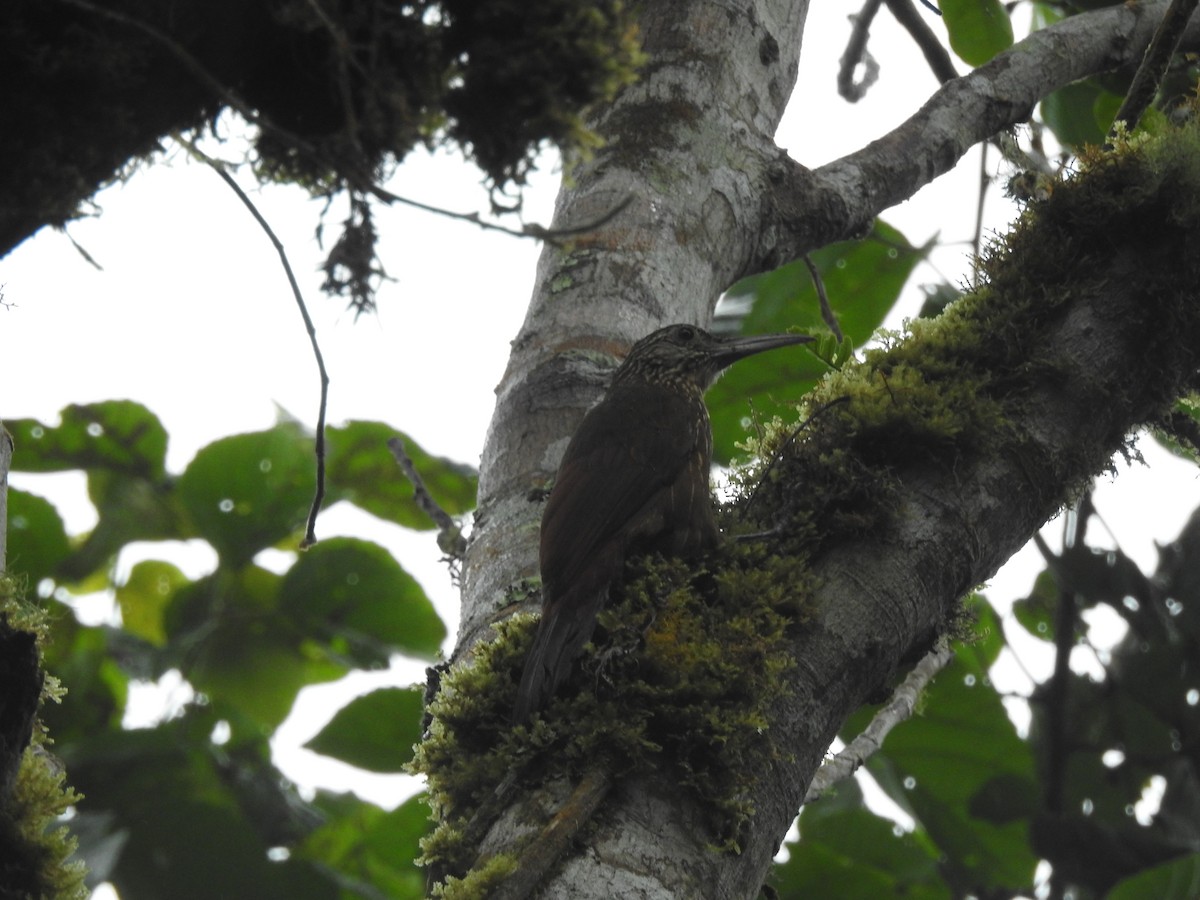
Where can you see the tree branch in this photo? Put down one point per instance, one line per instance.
(1154, 64)
(851, 191)
(935, 54)
(899, 709)
(1048, 365)
(856, 54)
(924, 513)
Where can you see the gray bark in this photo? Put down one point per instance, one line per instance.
(712, 199)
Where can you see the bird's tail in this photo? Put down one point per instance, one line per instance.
(566, 626)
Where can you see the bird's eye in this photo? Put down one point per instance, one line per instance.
(686, 333)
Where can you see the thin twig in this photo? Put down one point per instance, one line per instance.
(88, 258)
(823, 299)
(552, 235)
(310, 536)
(1058, 689)
(539, 232)
(984, 183)
(450, 539)
(856, 52)
(899, 709)
(1154, 64)
(935, 54)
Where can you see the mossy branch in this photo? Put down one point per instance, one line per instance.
(933, 460)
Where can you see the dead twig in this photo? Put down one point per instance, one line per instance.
(310, 536)
(931, 47)
(450, 538)
(856, 53)
(1154, 65)
(823, 298)
(899, 709)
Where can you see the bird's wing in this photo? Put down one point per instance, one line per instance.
(613, 466)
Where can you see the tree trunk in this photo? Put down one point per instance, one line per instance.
(709, 199)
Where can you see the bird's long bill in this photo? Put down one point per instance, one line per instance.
(733, 349)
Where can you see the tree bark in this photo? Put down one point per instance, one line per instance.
(6, 451)
(712, 199)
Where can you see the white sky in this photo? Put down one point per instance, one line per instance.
(193, 317)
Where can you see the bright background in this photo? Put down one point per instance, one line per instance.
(191, 315)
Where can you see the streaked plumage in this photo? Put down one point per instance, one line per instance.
(634, 478)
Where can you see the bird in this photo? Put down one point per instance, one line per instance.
(633, 479)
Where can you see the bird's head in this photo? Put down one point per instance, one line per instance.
(687, 357)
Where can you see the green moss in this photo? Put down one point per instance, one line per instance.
(685, 669)
(948, 390)
(689, 661)
(561, 283)
(530, 70)
(479, 883)
(35, 856)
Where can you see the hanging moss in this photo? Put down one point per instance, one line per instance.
(340, 90)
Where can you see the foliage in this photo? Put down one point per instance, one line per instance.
(1104, 784)
(863, 280)
(987, 802)
(192, 806)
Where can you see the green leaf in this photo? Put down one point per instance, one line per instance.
(943, 766)
(116, 435)
(979, 29)
(863, 280)
(1046, 14)
(228, 637)
(363, 471)
(144, 597)
(1070, 112)
(1036, 612)
(1175, 880)
(175, 823)
(131, 509)
(368, 845)
(355, 595)
(983, 648)
(37, 539)
(250, 491)
(376, 731)
(251, 667)
(847, 851)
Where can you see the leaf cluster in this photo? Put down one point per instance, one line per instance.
(191, 805)
(1103, 784)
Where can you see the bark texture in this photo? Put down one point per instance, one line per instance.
(689, 148)
(711, 199)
